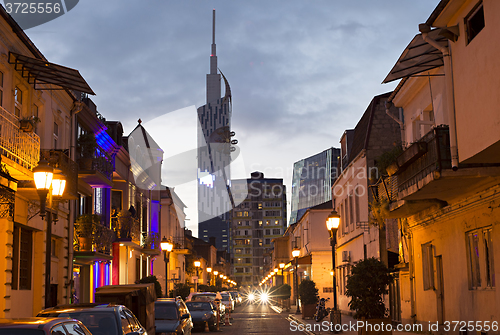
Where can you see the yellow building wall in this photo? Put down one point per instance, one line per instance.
(446, 230)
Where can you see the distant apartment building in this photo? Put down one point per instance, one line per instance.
(312, 180)
(257, 220)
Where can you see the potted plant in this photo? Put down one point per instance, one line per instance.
(27, 124)
(368, 282)
(308, 297)
(86, 146)
(85, 230)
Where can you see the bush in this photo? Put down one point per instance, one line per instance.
(285, 291)
(366, 285)
(154, 280)
(182, 290)
(308, 292)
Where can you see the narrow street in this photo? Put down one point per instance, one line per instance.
(257, 319)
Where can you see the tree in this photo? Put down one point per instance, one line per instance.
(153, 279)
(366, 285)
(183, 289)
(308, 292)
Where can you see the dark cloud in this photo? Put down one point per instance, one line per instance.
(301, 72)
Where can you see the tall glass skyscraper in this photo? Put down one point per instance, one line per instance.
(214, 149)
(312, 181)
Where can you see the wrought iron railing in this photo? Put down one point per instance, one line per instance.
(22, 147)
(151, 240)
(388, 188)
(99, 162)
(437, 157)
(60, 160)
(94, 237)
(179, 242)
(127, 228)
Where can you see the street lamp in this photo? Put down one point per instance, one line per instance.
(282, 266)
(296, 254)
(43, 174)
(332, 224)
(197, 264)
(209, 270)
(167, 247)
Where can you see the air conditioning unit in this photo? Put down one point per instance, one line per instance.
(345, 256)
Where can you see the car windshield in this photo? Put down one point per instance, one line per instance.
(95, 320)
(18, 331)
(165, 311)
(225, 296)
(203, 297)
(198, 306)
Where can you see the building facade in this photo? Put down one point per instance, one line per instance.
(359, 236)
(447, 179)
(257, 220)
(312, 181)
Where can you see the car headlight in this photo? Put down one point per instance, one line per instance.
(264, 297)
(251, 297)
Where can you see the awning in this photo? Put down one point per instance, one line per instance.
(419, 56)
(37, 71)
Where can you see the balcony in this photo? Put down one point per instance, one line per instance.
(127, 230)
(425, 178)
(151, 243)
(97, 171)
(21, 149)
(93, 242)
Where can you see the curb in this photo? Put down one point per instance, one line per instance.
(293, 318)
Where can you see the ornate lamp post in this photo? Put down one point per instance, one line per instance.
(216, 273)
(296, 254)
(167, 247)
(197, 264)
(209, 271)
(282, 266)
(332, 224)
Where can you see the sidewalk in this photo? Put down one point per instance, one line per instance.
(349, 327)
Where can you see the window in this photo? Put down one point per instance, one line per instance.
(351, 213)
(56, 134)
(488, 255)
(22, 259)
(480, 256)
(276, 231)
(18, 99)
(239, 223)
(268, 222)
(474, 22)
(268, 231)
(276, 222)
(259, 206)
(260, 223)
(428, 266)
(268, 241)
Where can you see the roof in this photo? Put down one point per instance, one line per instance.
(362, 129)
(77, 307)
(37, 71)
(419, 56)
(33, 322)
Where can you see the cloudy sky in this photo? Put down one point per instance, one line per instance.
(301, 71)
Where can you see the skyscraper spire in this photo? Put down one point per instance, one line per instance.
(213, 78)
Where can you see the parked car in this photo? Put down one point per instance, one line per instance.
(172, 317)
(100, 319)
(42, 326)
(207, 296)
(228, 301)
(203, 312)
(237, 297)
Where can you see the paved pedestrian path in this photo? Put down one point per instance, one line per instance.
(349, 325)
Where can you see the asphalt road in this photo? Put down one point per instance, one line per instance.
(257, 319)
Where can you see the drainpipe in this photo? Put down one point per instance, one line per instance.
(448, 72)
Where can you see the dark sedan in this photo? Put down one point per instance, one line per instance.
(172, 317)
(100, 319)
(203, 313)
(42, 326)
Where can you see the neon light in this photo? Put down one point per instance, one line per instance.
(92, 283)
(107, 274)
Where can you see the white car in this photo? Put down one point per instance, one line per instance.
(228, 301)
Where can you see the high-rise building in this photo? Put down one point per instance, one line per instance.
(257, 220)
(214, 149)
(312, 181)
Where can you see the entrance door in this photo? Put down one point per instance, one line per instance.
(439, 289)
